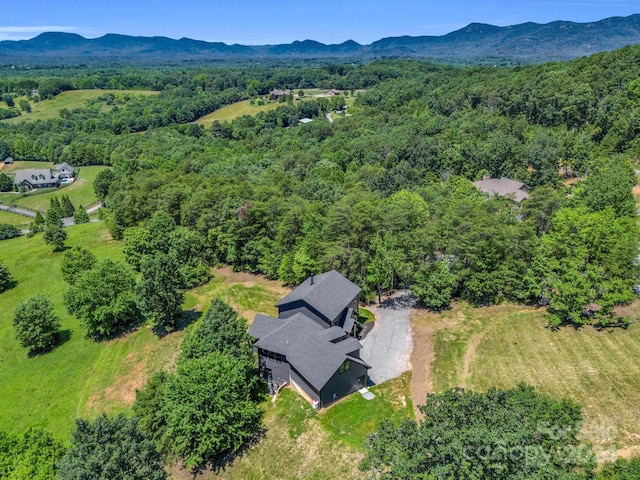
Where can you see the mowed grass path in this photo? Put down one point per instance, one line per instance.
(504, 345)
(46, 109)
(80, 192)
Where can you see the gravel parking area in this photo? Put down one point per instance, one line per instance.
(387, 348)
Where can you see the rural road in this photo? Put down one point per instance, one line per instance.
(19, 211)
(387, 348)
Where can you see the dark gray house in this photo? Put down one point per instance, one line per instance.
(311, 345)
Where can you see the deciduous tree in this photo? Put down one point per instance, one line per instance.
(110, 448)
(35, 324)
(159, 292)
(500, 434)
(75, 262)
(103, 298)
(55, 235)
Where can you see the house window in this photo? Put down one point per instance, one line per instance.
(276, 357)
(346, 365)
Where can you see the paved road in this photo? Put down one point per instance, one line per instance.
(19, 211)
(387, 348)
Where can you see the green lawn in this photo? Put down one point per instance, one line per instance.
(82, 378)
(24, 165)
(235, 110)
(244, 107)
(504, 345)
(14, 219)
(352, 420)
(80, 192)
(46, 109)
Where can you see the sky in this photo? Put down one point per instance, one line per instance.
(251, 22)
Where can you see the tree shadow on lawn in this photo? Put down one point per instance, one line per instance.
(63, 337)
(187, 318)
(220, 463)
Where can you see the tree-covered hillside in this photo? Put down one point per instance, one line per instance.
(382, 194)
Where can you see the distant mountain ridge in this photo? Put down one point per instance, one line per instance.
(526, 42)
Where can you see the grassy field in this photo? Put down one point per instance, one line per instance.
(244, 107)
(80, 192)
(46, 109)
(82, 377)
(18, 165)
(14, 219)
(247, 294)
(504, 345)
(235, 110)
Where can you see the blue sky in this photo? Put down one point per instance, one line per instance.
(251, 22)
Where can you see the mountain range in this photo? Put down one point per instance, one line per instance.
(526, 42)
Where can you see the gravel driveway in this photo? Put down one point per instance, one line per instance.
(387, 348)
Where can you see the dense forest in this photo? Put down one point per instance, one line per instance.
(384, 193)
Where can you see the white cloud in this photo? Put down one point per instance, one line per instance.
(17, 32)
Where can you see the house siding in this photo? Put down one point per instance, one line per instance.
(279, 370)
(302, 384)
(342, 384)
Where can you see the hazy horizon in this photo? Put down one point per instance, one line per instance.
(248, 22)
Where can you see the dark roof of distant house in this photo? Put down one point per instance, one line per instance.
(504, 187)
(328, 293)
(314, 351)
(27, 175)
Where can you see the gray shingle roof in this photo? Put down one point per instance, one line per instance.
(306, 345)
(65, 165)
(329, 293)
(38, 173)
(503, 187)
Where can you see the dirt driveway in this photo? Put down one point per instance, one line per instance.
(387, 348)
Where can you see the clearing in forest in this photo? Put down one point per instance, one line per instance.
(501, 346)
(47, 109)
(80, 192)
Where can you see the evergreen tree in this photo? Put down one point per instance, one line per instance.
(81, 215)
(67, 207)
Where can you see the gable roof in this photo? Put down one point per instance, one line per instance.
(26, 175)
(308, 347)
(328, 293)
(503, 187)
(64, 165)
